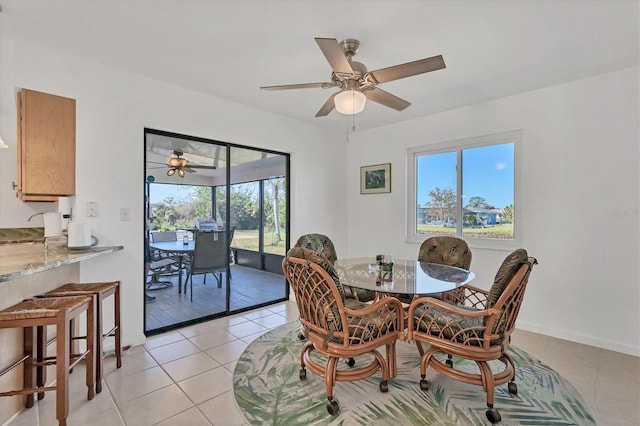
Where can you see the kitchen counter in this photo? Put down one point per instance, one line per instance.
(19, 260)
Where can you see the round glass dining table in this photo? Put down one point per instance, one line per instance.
(410, 277)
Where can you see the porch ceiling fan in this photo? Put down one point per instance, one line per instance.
(180, 165)
(356, 83)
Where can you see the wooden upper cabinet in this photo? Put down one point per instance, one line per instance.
(46, 146)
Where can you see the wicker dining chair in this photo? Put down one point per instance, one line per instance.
(336, 331)
(322, 244)
(477, 328)
(447, 250)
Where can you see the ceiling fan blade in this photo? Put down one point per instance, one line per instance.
(195, 166)
(298, 86)
(386, 99)
(327, 107)
(409, 69)
(188, 170)
(334, 54)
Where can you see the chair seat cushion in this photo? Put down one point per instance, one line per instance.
(372, 326)
(442, 323)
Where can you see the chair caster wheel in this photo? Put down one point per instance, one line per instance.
(424, 385)
(384, 387)
(493, 415)
(449, 363)
(513, 388)
(303, 374)
(350, 362)
(333, 407)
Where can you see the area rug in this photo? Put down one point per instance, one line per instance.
(269, 391)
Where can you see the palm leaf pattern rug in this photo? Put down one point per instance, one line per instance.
(268, 391)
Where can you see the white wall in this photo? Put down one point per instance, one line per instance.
(579, 201)
(113, 107)
(580, 151)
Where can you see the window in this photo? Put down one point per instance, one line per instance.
(464, 188)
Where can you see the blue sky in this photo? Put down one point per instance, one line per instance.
(158, 192)
(487, 172)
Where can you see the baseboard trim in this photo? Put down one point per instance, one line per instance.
(598, 342)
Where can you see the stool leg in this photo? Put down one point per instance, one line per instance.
(116, 304)
(41, 354)
(99, 343)
(29, 379)
(62, 370)
(90, 360)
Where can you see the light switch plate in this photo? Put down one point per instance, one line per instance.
(125, 214)
(92, 209)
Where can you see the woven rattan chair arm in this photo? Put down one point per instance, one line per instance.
(447, 307)
(476, 290)
(389, 302)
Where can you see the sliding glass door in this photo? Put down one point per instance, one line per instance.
(196, 188)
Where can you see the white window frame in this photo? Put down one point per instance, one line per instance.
(514, 137)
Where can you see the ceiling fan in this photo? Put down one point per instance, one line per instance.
(181, 165)
(356, 83)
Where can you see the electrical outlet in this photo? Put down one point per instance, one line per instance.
(92, 209)
(124, 214)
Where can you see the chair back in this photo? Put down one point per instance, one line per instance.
(510, 299)
(211, 251)
(320, 244)
(445, 250)
(162, 236)
(318, 298)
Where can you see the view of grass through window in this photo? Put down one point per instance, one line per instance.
(178, 207)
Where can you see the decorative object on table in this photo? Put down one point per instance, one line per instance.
(544, 396)
(336, 334)
(478, 328)
(375, 179)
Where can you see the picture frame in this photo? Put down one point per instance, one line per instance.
(375, 179)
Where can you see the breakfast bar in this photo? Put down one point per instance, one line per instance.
(27, 269)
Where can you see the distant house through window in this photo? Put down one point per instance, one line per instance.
(464, 188)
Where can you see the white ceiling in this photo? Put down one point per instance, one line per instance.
(229, 48)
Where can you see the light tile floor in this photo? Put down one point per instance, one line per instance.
(184, 377)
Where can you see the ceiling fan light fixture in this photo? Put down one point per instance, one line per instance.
(350, 102)
(171, 171)
(181, 173)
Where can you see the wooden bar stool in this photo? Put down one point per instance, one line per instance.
(39, 313)
(101, 290)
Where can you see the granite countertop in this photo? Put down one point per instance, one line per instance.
(19, 260)
(21, 235)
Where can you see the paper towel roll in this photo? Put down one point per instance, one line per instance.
(52, 224)
(65, 210)
(63, 205)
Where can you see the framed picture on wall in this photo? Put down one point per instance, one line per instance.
(375, 179)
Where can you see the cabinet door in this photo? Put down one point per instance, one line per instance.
(47, 151)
